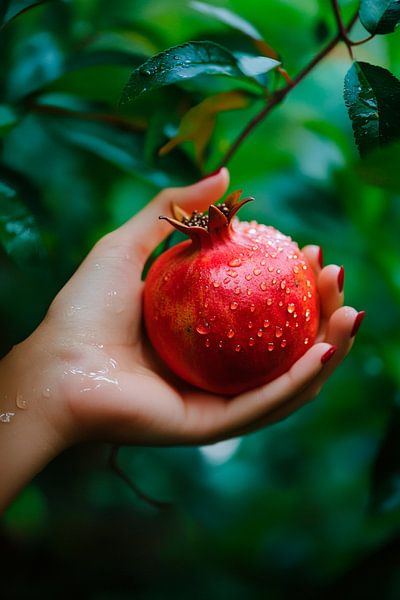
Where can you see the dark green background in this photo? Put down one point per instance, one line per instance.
(308, 508)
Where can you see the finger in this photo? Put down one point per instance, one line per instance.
(315, 257)
(330, 288)
(233, 415)
(145, 230)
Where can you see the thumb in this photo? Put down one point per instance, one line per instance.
(145, 230)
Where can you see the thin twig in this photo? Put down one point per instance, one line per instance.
(281, 94)
(341, 27)
(113, 462)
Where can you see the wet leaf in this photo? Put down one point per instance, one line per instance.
(372, 97)
(190, 60)
(198, 123)
(380, 16)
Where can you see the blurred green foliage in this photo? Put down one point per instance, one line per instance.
(310, 507)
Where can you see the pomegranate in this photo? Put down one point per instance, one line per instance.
(233, 307)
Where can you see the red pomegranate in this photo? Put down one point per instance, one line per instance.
(233, 307)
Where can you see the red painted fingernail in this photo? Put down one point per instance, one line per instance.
(340, 279)
(328, 354)
(320, 257)
(212, 174)
(357, 323)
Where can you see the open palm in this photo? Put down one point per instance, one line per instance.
(114, 386)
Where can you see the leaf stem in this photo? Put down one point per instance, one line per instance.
(278, 96)
(341, 28)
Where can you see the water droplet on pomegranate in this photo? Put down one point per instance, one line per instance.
(304, 298)
(305, 267)
(309, 294)
(278, 271)
(235, 262)
(274, 281)
(287, 290)
(248, 276)
(226, 280)
(269, 301)
(252, 341)
(234, 305)
(278, 332)
(220, 344)
(270, 269)
(250, 325)
(207, 343)
(263, 262)
(252, 307)
(287, 324)
(249, 292)
(291, 308)
(257, 271)
(283, 284)
(260, 333)
(296, 269)
(283, 343)
(206, 303)
(296, 324)
(295, 315)
(238, 348)
(306, 340)
(167, 277)
(203, 328)
(280, 303)
(308, 283)
(216, 284)
(232, 274)
(308, 314)
(263, 286)
(270, 346)
(237, 291)
(230, 333)
(266, 323)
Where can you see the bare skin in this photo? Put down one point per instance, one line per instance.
(88, 373)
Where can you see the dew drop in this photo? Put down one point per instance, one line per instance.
(287, 324)
(6, 417)
(260, 333)
(291, 308)
(306, 340)
(232, 274)
(266, 323)
(283, 284)
(220, 344)
(295, 315)
(308, 314)
(21, 402)
(252, 307)
(238, 348)
(283, 343)
(270, 346)
(216, 284)
(237, 291)
(263, 286)
(230, 333)
(263, 262)
(249, 292)
(309, 294)
(248, 276)
(235, 262)
(274, 281)
(308, 283)
(46, 392)
(250, 324)
(278, 271)
(203, 328)
(305, 267)
(270, 269)
(234, 305)
(257, 271)
(287, 290)
(304, 298)
(296, 269)
(269, 301)
(207, 343)
(252, 341)
(278, 332)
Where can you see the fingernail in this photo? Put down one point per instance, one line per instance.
(212, 174)
(320, 257)
(357, 323)
(328, 354)
(340, 279)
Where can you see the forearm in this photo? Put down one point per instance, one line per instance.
(29, 439)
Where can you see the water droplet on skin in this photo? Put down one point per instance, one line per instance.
(203, 328)
(306, 341)
(230, 333)
(283, 343)
(235, 262)
(291, 308)
(250, 325)
(283, 284)
(269, 301)
(234, 305)
(278, 332)
(207, 343)
(238, 348)
(266, 324)
(252, 341)
(237, 291)
(248, 276)
(263, 286)
(270, 346)
(260, 333)
(308, 314)
(6, 417)
(257, 271)
(252, 307)
(216, 284)
(21, 402)
(46, 392)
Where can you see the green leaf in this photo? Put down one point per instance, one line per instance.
(380, 16)
(12, 8)
(190, 60)
(19, 233)
(372, 97)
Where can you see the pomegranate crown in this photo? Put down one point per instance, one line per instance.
(215, 222)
